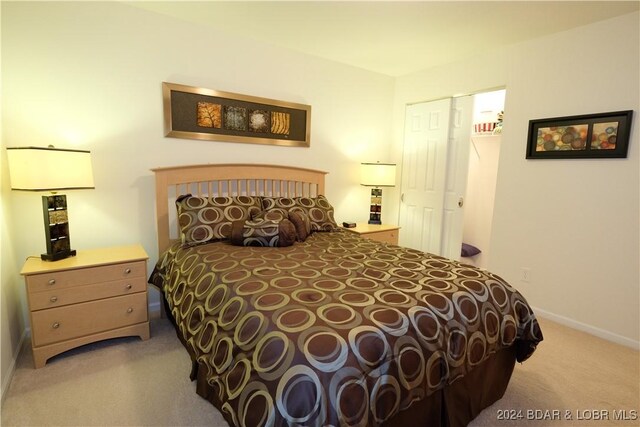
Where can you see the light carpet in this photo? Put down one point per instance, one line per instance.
(129, 382)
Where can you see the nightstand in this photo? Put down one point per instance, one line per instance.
(97, 294)
(382, 233)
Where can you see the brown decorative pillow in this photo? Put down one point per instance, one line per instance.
(278, 204)
(318, 209)
(320, 213)
(263, 232)
(205, 219)
(302, 224)
(272, 215)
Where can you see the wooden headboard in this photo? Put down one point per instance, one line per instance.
(227, 180)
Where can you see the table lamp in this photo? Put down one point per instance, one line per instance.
(377, 175)
(51, 169)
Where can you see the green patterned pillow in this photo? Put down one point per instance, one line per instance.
(205, 219)
(318, 209)
(263, 232)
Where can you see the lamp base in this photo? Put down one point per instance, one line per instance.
(56, 228)
(58, 255)
(375, 209)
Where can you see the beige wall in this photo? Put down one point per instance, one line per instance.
(12, 328)
(89, 76)
(11, 316)
(574, 223)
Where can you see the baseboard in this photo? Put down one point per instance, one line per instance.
(600, 333)
(12, 367)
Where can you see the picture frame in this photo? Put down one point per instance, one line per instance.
(207, 114)
(602, 135)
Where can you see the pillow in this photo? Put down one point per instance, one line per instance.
(278, 204)
(302, 224)
(263, 232)
(205, 219)
(273, 215)
(318, 209)
(469, 250)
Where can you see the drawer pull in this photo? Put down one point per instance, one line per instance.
(128, 287)
(127, 271)
(129, 310)
(52, 281)
(53, 299)
(56, 325)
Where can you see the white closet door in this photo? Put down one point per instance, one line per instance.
(434, 175)
(424, 167)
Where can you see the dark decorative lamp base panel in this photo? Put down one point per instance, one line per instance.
(56, 228)
(375, 210)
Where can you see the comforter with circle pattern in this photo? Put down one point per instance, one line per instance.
(336, 330)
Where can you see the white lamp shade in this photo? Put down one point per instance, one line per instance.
(378, 174)
(49, 169)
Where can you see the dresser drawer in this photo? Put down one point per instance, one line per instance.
(65, 296)
(59, 324)
(85, 276)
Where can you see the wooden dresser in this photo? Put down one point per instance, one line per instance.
(95, 295)
(382, 233)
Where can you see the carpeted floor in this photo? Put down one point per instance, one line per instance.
(584, 379)
(125, 382)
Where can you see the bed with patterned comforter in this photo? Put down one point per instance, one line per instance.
(341, 330)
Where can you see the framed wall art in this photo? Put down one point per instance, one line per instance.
(207, 114)
(603, 135)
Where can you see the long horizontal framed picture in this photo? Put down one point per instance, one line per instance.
(603, 135)
(207, 114)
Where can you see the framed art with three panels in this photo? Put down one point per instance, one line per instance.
(207, 114)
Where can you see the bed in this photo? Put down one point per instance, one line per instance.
(332, 329)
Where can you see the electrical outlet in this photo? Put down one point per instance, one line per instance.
(525, 274)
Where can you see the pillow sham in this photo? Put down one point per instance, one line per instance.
(273, 215)
(205, 219)
(280, 205)
(318, 209)
(263, 232)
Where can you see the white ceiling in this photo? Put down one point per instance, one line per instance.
(392, 38)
